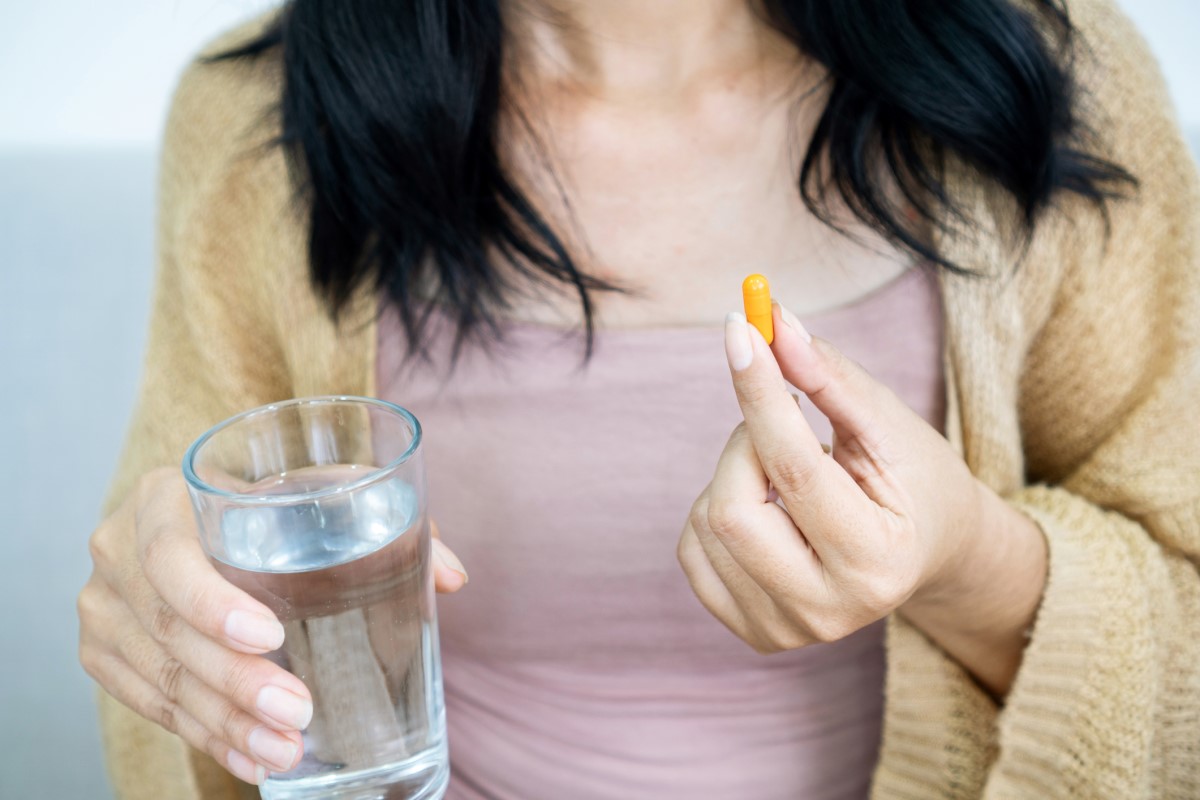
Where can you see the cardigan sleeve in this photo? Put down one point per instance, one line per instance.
(212, 346)
(1106, 703)
(212, 351)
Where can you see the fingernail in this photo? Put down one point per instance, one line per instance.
(790, 320)
(448, 559)
(246, 769)
(272, 749)
(256, 631)
(738, 349)
(288, 709)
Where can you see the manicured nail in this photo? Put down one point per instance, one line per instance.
(287, 709)
(256, 631)
(738, 349)
(790, 320)
(270, 748)
(246, 769)
(449, 560)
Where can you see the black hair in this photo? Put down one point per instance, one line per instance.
(389, 117)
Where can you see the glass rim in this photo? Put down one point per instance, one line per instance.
(377, 474)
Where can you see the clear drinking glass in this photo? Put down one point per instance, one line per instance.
(317, 508)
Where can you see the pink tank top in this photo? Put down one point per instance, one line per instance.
(577, 663)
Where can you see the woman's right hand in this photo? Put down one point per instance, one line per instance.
(166, 635)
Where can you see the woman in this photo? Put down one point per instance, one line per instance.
(1005, 530)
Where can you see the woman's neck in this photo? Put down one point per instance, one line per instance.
(638, 50)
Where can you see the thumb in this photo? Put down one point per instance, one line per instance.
(857, 406)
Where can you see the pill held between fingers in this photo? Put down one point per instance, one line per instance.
(756, 297)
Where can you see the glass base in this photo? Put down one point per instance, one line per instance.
(422, 777)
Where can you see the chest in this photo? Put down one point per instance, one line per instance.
(678, 206)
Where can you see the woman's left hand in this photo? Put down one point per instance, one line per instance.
(891, 519)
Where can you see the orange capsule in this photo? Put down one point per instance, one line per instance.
(756, 296)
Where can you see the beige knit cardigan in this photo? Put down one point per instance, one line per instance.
(1072, 385)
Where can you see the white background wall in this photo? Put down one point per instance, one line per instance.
(83, 90)
(88, 72)
(98, 72)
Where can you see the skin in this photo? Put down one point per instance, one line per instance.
(187, 653)
(889, 520)
(668, 135)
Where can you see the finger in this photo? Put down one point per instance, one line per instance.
(776, 423)
(276, 750)
(733, 598)
(858, 406)
(449, 575)
(741, 586)
(253, 683)
(129, 688)
(817, 493)
(258, 686)
(758, 535)
(708, 586)
(174, 564)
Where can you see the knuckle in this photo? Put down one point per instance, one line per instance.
(232, 724)
(795, 640)
(763, 645)
(168, 714)
(884, 593)
(200, 602)
(155, 548)
(725, 520)
(89, 659)
(794, 477)
(740, 432)
(766, 638)
(242, 678)
(685, 548)
(137, 651)
(827, 630)
(754, 393)
(164, 624)
(170, 677)
(698, 515)
(786, 636)
(104, 546)
(85, 605)
(215, 746)
(98, 544)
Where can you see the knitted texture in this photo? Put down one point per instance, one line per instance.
(1072, 383)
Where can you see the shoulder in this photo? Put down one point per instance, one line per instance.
(1127, 118)
(225, 192)
(1130, 120)
(231, 232)
(1122, 94)
(221, 110)
(220, 103)
(1112, 300)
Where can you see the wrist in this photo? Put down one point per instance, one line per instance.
(983, 602)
